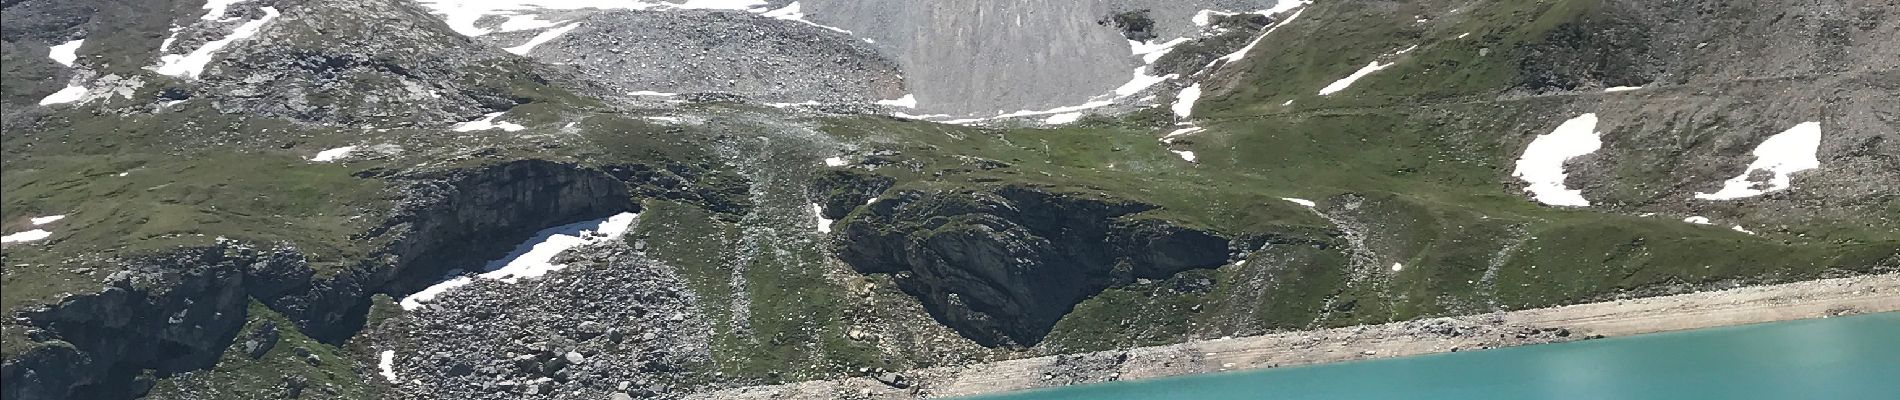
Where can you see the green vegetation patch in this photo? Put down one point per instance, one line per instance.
(295, 363)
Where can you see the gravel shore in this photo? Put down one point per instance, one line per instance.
(1747, 305)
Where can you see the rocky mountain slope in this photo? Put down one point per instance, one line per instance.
(651, 199)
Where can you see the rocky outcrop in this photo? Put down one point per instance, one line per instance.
(391, 63)
(1002, 266)
(180, 310)
(452, 220)
(167, 313)
(843, 190)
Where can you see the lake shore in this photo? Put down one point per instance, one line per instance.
(1745, 305)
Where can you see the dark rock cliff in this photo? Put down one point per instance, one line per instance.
(178, 311)
(168, 313)
(1002, 266)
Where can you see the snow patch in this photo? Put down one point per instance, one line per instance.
(1184, 102)
(1169, 138)
(1698, 220)
(333, 154)
(1739, 228)
(525, 23)
(65, 54)
(1303, 202)
(1151, 51)
(834, 162)
(27, 236)
(908, 101)
(1280, 7)
(215, 9)
(47, 219)
(793, 12)
(1346, 82)
(824, 225)
(1064, 118)
(1782, 155)
(543, 37)
(487, 122)
(651, 93)
(1396, 267)
(1141, 81)
(1185, 155)
(72, 93)
(387, 365)
(190, 65)
(1542, 165)
(1622, 89)
(534, 257)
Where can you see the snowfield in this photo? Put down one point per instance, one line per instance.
(487, 122)
(1782, 155)
(534, 257)
(190, 65)
(1542, 165)
(65, 54)
(333, 154)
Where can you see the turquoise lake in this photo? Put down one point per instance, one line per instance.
(1842, 358)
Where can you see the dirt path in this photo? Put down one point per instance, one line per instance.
(1801, 300)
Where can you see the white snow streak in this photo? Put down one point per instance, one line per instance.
(543, 37)
(1797, 149)
(792, 12)
(333, 154)
(834, 161)
(908, 101)
(190, 65)
(1184, 102)
(1542, 165)
(487, 122)
(1303, 202)
(1280, 7)
(534, 257)
(1060, 119)
(1622, 89)
(1169, 138)
(1141, 81)
(1739, 228)
(47, 219)
(1346, 82)
(824, 225)
(27, 236)
(216, 8)
(65, 54)
(387, 365)
(1698, 220)
(71, 93)
(1151, 52)
(1185, 155)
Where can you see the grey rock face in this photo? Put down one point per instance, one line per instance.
(1002, 267)
(760, 58)
(986, 57)
(389, 64)
(174, 312)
